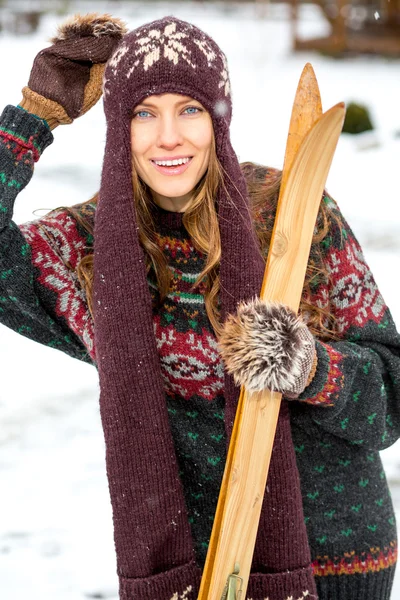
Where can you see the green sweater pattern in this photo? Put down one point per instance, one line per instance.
(346, 415)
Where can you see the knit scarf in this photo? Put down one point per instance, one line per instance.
(154, 545)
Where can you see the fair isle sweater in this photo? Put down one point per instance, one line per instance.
(349, 412)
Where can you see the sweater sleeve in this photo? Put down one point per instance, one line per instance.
(355, 393)
(29, 256)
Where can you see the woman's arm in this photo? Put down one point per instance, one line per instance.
(355, 393)
(40, 296)
(31, 299)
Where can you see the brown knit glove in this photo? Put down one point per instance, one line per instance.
(267, 346)
(66, 78)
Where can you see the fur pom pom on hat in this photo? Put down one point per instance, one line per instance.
(155, 559)
(91, 24)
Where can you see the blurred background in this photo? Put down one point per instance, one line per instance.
(55, 518)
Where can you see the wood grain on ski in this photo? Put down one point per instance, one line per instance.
(306, 110)
(302, 118)
(242, 490)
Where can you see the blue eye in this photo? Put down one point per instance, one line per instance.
(192, 110)
(141, 114)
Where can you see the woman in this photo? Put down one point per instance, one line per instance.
(181, 235)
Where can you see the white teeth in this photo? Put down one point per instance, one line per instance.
(171, 163)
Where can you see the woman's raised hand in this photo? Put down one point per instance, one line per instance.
(66, 78)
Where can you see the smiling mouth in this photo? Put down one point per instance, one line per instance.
(172, 163)
(172, 167)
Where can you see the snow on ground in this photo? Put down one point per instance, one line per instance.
(55, 519)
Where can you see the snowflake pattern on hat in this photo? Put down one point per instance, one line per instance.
(173, 44)
(169, 41)
(225, 83)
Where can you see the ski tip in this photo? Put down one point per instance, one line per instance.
(308, 91)
(339, 108)
(308, 68)
(333, 118)
(308, 75)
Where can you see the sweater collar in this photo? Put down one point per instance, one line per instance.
(167, 219)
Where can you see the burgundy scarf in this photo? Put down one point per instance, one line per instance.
(154, 546)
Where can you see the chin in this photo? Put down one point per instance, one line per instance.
(173, 191)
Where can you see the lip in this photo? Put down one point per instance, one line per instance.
(175, 170)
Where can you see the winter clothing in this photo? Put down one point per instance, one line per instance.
(343, 417)
(79, 53)
(173, 56)
(266, 346)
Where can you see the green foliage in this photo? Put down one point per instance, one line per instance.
(357, 119)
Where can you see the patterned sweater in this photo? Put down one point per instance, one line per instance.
(346, 415)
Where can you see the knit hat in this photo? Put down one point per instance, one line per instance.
(154, 545)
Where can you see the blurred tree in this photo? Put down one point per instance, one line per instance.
(357, 26)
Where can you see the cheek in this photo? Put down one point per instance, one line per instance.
(136, 147)
(203, 145)
(205, 137)
(137, 159)
(200, 134)
(206, 143)
(139, 142)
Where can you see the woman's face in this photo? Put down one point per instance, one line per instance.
(171, 137)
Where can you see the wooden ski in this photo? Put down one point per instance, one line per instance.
(311, 144)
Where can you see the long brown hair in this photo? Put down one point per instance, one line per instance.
(264, 193)
(201, 222)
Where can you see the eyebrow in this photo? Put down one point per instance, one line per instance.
(150, 105)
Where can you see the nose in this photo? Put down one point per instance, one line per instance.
(169, 133)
